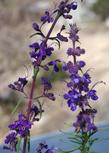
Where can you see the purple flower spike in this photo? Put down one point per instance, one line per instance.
(79, 92)
(73, 33)
(47, 18)
(11, 140)
(21, 126)
(19, 85)
(11, 137)
(85, 121)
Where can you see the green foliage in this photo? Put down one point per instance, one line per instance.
(29, 143)
(11, 103)
(101, 8)
(18, 145)
(83, 142)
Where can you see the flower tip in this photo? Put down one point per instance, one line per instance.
(74, 5)
(35, 26)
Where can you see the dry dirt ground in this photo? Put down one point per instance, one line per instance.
(14, 40)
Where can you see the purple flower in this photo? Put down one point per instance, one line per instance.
(73, 33)
(67, 16)
(73, 98)
(92, 94)
(34, 112)
(19, 85)
(85, 121)
(81, 64)
(11, 137)
(75, 51)
(21, 126)
(39, 53)
(34, 46)
(70, 67)
(50, 96)
(74, 5)
(61, 37)
(35, 26)
(54, 64)
(70, 84)
(70, 51)
(72, 104)
(11, 140)
(81, 82)
(47, 84)
(86, 78)
(65, 8)
(43, 148)
(79, 51)
(47, 18)
(49, 51)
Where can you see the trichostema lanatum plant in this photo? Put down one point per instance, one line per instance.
(80, 89)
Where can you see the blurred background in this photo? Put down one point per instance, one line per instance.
(16, 17)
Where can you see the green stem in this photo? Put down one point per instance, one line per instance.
(84, 146)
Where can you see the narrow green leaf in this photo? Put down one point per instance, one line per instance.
(35, 72)
(38, 33)
(73, 141)
(69, 151)
(29, 144)
(18, 145)
(74, 138)
(16, 107)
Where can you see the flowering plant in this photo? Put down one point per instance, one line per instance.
(80, 91)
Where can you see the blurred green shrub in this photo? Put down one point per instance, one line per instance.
(101, 8)
(11, 102)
